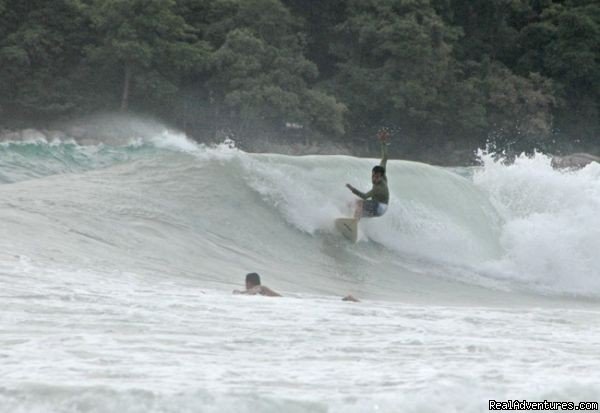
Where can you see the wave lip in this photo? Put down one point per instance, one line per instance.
(30, 153)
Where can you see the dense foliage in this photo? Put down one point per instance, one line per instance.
(443, 74)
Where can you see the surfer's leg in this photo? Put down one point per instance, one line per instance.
(359, 209)
(369, 209)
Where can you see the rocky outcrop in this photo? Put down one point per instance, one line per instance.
(576, 160)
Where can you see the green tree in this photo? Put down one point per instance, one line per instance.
(39, 47)
(519, 110)
(260, 75)
(148, 43)
(558, 40)
(564, 44)
(319, 21)
(395, 63)
(491, 27)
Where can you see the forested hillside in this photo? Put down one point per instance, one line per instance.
(443, 75)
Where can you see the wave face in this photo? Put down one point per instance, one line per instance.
(162, 204)
(118, 257)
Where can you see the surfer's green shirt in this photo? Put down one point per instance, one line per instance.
(379, 192)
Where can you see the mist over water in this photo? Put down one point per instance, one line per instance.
(119, 253)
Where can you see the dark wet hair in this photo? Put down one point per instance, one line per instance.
(379, 170)
(253, 278)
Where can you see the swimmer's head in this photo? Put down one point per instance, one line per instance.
(252, 280)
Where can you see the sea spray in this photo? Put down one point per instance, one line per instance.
(551, 234)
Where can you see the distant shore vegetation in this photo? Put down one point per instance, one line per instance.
(443, 75)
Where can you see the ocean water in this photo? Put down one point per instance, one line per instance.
(118, 257)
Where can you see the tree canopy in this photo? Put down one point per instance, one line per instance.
(523, 74)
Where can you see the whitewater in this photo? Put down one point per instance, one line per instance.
(118, 258)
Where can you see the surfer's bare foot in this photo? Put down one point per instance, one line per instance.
(350, 297)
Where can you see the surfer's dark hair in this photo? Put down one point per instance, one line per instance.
(253, 278)
(379, 170)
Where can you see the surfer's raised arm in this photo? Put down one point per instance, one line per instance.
(374, 203)
(384, 137)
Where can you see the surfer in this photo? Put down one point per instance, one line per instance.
(375, 202)
(254, 287)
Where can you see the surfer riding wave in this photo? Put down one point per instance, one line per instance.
(375, 202)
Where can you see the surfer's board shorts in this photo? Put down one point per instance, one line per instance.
(373, 208)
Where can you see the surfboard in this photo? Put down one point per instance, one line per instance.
(348, 227)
